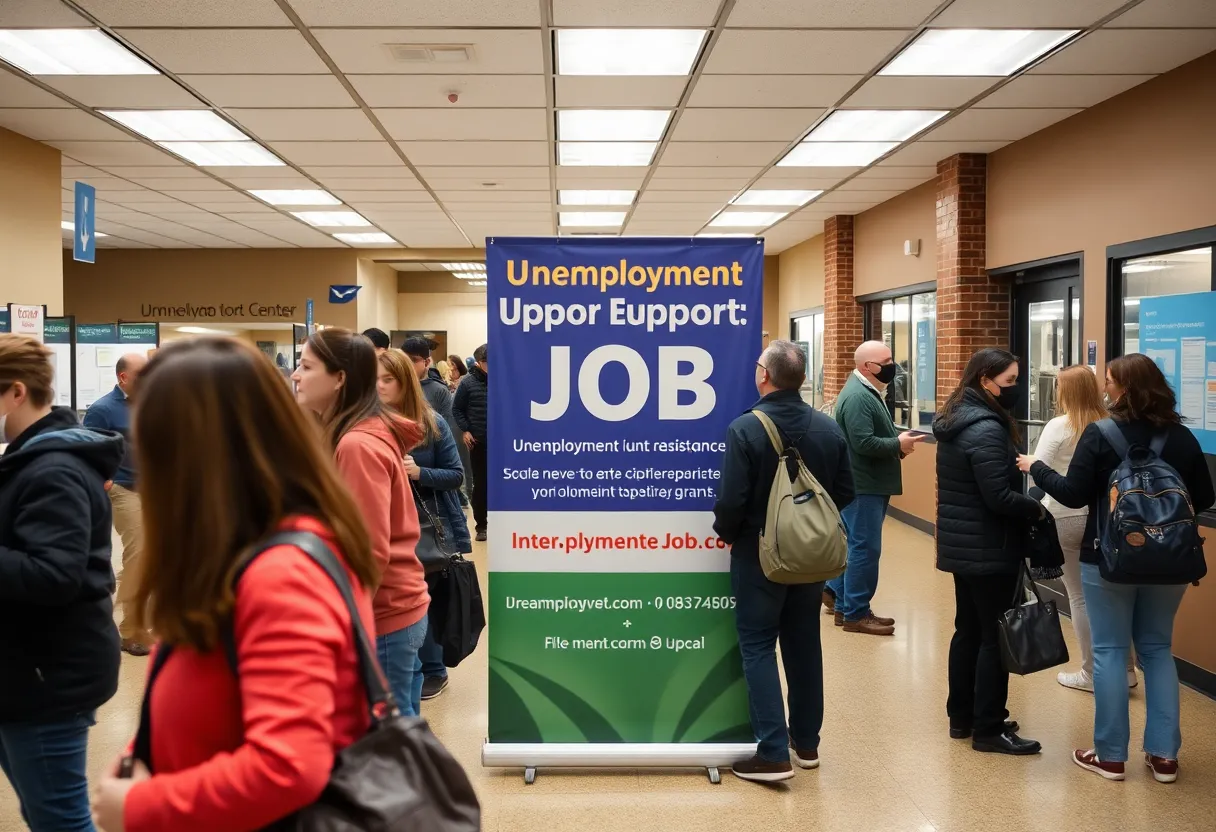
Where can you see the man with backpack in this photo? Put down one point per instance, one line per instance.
(766, 610)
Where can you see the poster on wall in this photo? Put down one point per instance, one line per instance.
(58, 338)
(29, 320)
(1179, 333)
(617, 366)
(98, 348)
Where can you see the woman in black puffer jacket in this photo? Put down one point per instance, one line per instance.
(982, 518)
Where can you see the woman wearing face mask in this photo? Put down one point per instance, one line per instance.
(1143, 407)
(336, 380)
(982, 518)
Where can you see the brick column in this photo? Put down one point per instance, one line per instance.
(842, 319)
(972, 309)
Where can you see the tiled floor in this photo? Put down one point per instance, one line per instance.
(888, 765)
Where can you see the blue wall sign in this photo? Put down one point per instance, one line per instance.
(84, 236)
(343, 294)
(1179, 333)
(308, 315)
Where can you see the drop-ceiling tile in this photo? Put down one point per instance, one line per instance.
(1179, 13)
(476, 152)
(421, 91)
(125, 91)
(917, 92)
(38, 14)
(930, 153)
(494, 51)
(502, 174)
(208, 195)
(115, 153)
(354, 185)
(174, 170)
(997, 125)
(771, 90)
(845, 14)
(714, 197)
(786, 52)
(271, 90)
(892, 186)
(1025, 14)
(1130, 52)
(306, 154)
(712, 154)
(380, 197)
(493, 196)
(327, 172)
(698, 183)
(396, 13)
(738, 124)
(17, 92)
(897, 171)
(60, 125)
(778, 178)
(307, 125)
(1061, 90)
(228, 51)
(618, 91)
(211, 13)
(201, 182)
(681, 13)
(464, 124)
(600, 178)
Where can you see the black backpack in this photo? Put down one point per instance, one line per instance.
(1147, 530)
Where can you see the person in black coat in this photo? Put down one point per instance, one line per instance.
(59, 647)
(470, 408)
(982, 518)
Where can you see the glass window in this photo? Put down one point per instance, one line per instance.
(807, 330)
(924, 360)
(1179, 273)
(908, 325)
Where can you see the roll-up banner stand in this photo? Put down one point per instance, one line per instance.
(618, 365)
(98, 348)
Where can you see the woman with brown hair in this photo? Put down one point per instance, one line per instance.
(336, 380)
(59, 650)
(1079, 405)
(226, 459)
(457, 370)
(1143, 409)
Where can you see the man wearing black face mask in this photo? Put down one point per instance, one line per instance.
(875, 449)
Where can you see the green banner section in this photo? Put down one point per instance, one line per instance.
(615, 657)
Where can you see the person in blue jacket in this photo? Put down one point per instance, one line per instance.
(437, 474)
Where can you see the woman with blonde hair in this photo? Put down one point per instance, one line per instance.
(1079, 405)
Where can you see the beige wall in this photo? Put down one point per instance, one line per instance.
(801, 282)
(879, 262)
(215, 285)
(462, 316)
(377, 302)
(31, 242)
(772, 300)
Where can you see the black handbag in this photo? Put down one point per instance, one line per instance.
(398, 777)
(434, 547)
(1043, 548)
(1030, 634)
(457, 615)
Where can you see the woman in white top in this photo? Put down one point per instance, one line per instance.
(1079, 404)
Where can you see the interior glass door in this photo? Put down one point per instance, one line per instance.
(1047, 337)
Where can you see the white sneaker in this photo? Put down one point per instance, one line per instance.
(1132, 679)
(1077, 681)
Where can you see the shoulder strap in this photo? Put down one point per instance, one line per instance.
(1114, 436)
(771, 430)
(1159, 440)
(141, 749)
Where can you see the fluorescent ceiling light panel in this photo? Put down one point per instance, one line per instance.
(611, 125)
(224, 154)
(177, 125)
(470, 275)
(979, 52)
(297, 197)
(727, 234)
(332, 219)
(746, 219)
(69, 52)
(835, 154)
(476, 283)
(366, 238)
(574, 197)
(465, 267)
(762, 197)
(606, 154)
(590, 219)
(873, 125)
(70, 226)
(627, 51)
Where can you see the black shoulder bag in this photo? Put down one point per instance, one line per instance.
(434, 548)
(398, 777)
(1030, 634)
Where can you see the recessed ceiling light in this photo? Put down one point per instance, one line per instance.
(576, 197)
(727, 234)
(606, 154)
(69, 52)
(835, 154)
(873, 125)
(470, 275)
(332, 219)
(746, 219)
(627, 51)
(297, 197)
(590, 219)
(611, 125)
(366, 238)
(476, 283)
(177, 125)
(224, 154)
(464, 267)
(763, 197)
(71, 226)
(983, 52)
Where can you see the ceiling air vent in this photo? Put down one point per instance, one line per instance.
(431, 53)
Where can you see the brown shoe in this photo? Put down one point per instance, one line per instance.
(869, 626)
(759, 770)
(838, 619)
(878, 619)
(804, 758)
(135, 648)
(1089, 761)
(1164, 771)
(829, 603)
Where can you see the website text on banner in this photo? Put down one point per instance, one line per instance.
(618, 365)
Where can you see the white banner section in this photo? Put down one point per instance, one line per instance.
(607, 541)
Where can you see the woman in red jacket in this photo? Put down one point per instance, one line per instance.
(336, 380)
(226, 459)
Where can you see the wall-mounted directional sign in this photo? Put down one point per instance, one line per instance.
(84, 235)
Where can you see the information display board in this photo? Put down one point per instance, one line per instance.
(1179, 333)
(57, 335)
(616, 367)
(98, 348)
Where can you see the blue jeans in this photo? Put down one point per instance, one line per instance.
(764, 612)
(45, 762)
(856, 587)
(399, 660)
(431, 656)
(1121, 615)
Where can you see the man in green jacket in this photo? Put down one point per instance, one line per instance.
(875, 449)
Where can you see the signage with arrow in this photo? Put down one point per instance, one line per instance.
(84, 235)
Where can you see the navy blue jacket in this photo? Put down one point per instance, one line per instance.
(751, 464)
(112, 412)
(441, 477)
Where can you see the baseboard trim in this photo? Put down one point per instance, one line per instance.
(1196, 678)
(911, 520)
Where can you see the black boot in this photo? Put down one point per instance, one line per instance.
(1006, 743)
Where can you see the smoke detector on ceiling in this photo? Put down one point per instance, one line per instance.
(431, 53)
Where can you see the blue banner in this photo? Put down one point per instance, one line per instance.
(1179, 333)
(615, 367)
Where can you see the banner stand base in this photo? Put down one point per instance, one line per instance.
(531, 756)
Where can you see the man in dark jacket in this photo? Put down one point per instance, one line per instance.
(436, 392)
(764, 610)
(470, 409)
